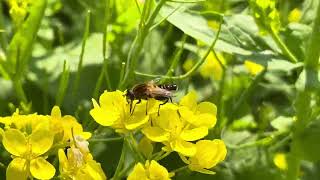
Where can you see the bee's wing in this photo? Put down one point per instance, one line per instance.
(158, 92)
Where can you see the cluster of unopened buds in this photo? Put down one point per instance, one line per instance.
(34, 140)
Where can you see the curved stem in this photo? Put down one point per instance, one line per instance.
(179, 169)
(284, 49)
(120, 164)
(193, 69)
(137, 45)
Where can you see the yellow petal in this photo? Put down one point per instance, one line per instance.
(168, 119)
(17, 169)
(156, 134)
(194, 134)
(207, 107)
(253, 67)
(41, 141)
(206, 120)
(91, 171)
(209, 153)
(63, 161)
(55, 112)
(189, 100)
(104, 117)
(280, 161)
(187, 114)
(156, 171)
(14, 142)
(184, 147)
(138, 173)
(112, 100)
(138, 118)
(41, 169)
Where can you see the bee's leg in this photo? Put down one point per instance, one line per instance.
(131, 106)
(165, 102)
(147, 107)
(170, 98)
(139, 101)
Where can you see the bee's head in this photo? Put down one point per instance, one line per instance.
(129, 95)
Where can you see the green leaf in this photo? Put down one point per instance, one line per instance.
(197, 27)
(282, 123)
(308, 142)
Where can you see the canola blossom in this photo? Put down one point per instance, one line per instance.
(150, 171)
(33, 139)
(178, 127)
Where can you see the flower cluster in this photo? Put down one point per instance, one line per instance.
(32, 139)
(179, 128)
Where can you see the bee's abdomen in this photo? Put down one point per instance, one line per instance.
(170, 87)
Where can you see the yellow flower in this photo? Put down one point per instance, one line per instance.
(149, 171)
(18, 10)
(294, 15)
(209, 154)
(199, 115)
(252, 67)
(174, 132)
(212, 67)
(78, 164)
(66, 124)
(27, 154)
(280, 161)
(114, 111)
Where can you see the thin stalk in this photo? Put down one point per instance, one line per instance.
(100, 80)
(312, 50)
(139, 40)
(17, 84)
(106, 139)
(247, 92)
(138, 7)
(180, 169)
(84, 41)
(303, 100)
(177, 56)
(284, 49)
(193, 69)
(104, 70)
(120, 163)
(3, 37)
(63, 84)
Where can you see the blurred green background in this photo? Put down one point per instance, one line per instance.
(255, 107)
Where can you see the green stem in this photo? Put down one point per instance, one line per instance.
(177, 56)
(284, 49)
(3, 35)
(180, 169)
(84, 41)
(120, 163)
(106, 139)
(19, 90)
(312, 49)
(134, 147)
(162, 156)
(193, 69)
(247, 92)
(63, 84)
(136, 47)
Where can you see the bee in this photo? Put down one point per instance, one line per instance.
(162, 92)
